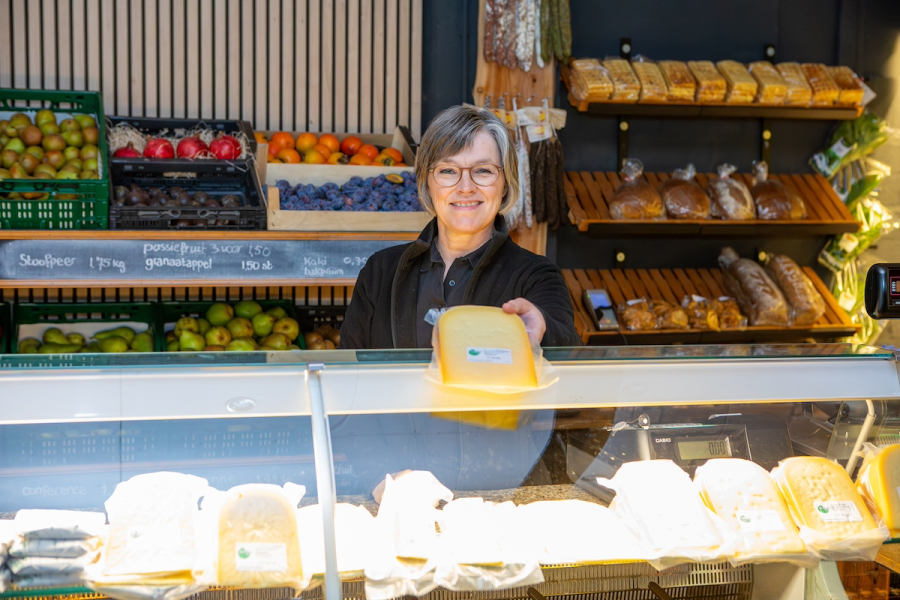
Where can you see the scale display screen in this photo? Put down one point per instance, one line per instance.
(703, 449)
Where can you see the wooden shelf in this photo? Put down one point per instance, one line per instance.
(672, 285)
(589, 193)
(718, 110)
(153, 234)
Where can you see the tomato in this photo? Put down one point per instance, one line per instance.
(351, 145)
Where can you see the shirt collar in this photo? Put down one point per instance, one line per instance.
(433, 257)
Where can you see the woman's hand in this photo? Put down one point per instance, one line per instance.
(532, 315)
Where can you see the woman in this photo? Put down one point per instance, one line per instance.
(468, 177)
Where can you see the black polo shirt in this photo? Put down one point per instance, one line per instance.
(436, 291)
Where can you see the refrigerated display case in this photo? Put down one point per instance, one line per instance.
(338, 422)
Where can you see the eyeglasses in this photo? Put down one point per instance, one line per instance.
(449, 175)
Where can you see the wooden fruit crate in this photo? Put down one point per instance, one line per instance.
(672, 285)
(589, 193)
(867, 580)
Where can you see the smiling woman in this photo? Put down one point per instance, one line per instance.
(468, 174)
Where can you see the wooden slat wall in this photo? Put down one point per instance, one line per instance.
(316, 65)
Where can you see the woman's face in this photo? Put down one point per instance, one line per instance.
(467, 208)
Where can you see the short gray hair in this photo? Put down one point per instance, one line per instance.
(451, 132)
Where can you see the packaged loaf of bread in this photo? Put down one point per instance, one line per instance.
(636, 315)
(679, 81)
(807, 305)
(626, 87)
(653, 85)
(683, 197)
(635, 198)
(741, 84)
(728, 313)
(772, 87)
(700, 313)
(774, 200)
(755, 292)
(797, 90)
(851, 90)
(669, 316)
(824, 90)
(730, 198)
(590, 80)
(711, 86)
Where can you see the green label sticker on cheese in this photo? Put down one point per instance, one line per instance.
(261, 557)
(495, 356)
(840, 511)
(760, 520)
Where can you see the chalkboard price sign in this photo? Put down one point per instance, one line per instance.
(169, 260)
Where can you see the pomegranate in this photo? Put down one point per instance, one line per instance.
(191, 147)
(127, 152)
(159, 148)
(225, 147)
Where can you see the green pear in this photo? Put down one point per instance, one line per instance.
(125, 333)
(75, 338)
(191, 340)
(29, 346)
(55, 336)
(44, 116)
(171, 337)
(239, 327)
(86, 121)
(247, 309)
(218, 336)
(58, 349)
(288, 327)
(114, 344)
(173, 346)
(219, 314)
(204, 326)
(263, 324)
(277, 312)
(293, 347)
(93, 347)
(278, 341)
(186, 324)
(245, 344)
(142, 342)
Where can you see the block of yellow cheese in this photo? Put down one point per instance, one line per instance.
(258, 542)
(743, 495)
(484, 346)
(825, 504)
(879, 483)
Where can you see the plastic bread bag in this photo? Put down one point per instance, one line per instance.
(798, 92)
(679, 81)
(627, 88)
(807, 305)
(579, 532)
(635, 198)
(877, 483)
(636, 315)
(741, 84)
(700, 313)
(49, 580)
(354, 539)
(486, 350)
(23, 547)
(774, 200)
(669, 316)
(833, 519)
(755, 292)
(851, 90)
(59, 524)
(711, 86)
(658, 502)
(772, 86)
(30, 566)
(743, 495)
(592, 79)
(653, 84)
(824, 90)
(683, 197)
(483, 547)
(728, 313)
(730, 198)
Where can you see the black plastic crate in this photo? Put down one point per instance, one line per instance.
(153, 126)
(312, 317)
(216, 178)
(167, 313)
(5, 327)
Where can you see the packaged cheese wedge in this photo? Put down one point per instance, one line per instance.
(354, 532)
(743, 495)
(879, 484)
(833, 519)
(658, 501)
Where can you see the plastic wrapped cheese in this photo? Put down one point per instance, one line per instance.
(711, 86)
(772, 87)
(879, 484)
(851, 90)
(774, 200)
(626, 84)
(657, 500)
(679, 81)
(824, 90)
(743, 495)
(653, 84)
(683, 197)
(635, 198)
(354, 538)
(833, 519)
(258, 542)
(741, 84)
(797, 92)
(730, 198)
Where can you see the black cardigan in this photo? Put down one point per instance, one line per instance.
(383, 309)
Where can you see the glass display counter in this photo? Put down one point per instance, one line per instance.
(72, 428)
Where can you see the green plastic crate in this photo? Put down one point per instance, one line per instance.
(71, 204)
(68, 316)
(169, 312)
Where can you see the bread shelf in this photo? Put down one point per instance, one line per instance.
(672, 285)
(589, 194)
